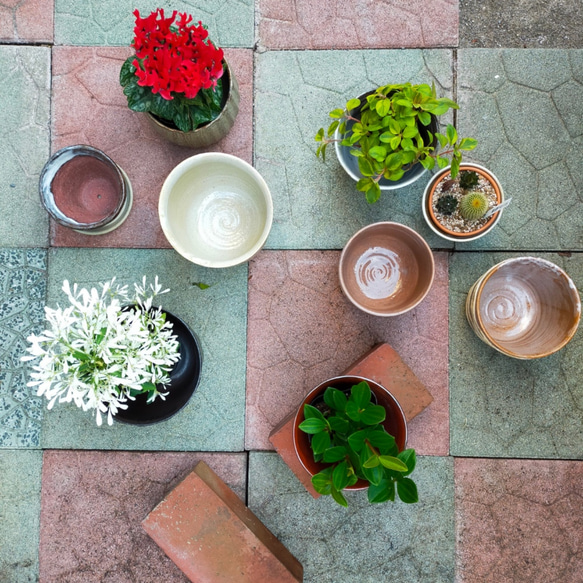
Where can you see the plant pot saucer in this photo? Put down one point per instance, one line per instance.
(444, 232)
(184, 379)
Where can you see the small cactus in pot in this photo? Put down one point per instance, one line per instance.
(473, 205)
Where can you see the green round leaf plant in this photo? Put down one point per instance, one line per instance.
(348, 435)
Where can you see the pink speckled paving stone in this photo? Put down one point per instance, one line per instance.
(26, 20)
(302, 330)
(89, 107)
(519, 520)
(93, 504)
(214, 538)
(349, 24)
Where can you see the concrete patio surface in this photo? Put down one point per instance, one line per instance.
(500, 467)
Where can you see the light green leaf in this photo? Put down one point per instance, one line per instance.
(373, 414)
(393, 463)
(312, 426)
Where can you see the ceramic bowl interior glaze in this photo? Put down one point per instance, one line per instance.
(215, 210)
(386, 269)
(526, 307)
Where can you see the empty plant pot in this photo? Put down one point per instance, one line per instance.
(84, 189)
(215, 210)
(386, 269)
(525, 307)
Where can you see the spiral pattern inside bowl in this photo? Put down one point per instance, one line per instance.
(378, 273)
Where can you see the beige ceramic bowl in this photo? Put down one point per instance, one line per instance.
(525, 307)
(386, 269)
(215, 210)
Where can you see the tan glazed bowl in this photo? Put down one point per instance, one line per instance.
(386, 269)
(524, 307)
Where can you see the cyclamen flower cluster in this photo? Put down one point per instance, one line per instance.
(175, 59)
(99, 354)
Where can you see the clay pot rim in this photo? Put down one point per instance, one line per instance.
(447, 233)
(549, 264)
(320, 388)
(49, 172)
(232, 88)
(417, 236)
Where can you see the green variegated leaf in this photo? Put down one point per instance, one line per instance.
(407, 456)
(334, 454)
(337, 113)
(313, 426)
(451, 133)
(373, 194)
(353, 104)
(365, 167)
(357, 440)
(339, 498)
(424, 118)
(340, 476)
(468, 144)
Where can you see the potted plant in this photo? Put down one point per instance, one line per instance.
(180, 79)
(349, 437)
(387, 138)
(111, 349)
(463, 207)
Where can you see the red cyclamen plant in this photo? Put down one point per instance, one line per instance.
(176, 73)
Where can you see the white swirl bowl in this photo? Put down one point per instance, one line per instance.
(215, 210)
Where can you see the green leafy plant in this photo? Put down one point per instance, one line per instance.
(474, 205)
(349, 436)
(447, 204)
(389, 132)
(468, 179)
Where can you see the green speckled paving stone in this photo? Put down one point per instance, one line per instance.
(316, 204)
(214, 418)
(22, 299)
(20, 487)
(504, 407)
(364, 543)
(111, 22)
(524, 106)
(24, 139)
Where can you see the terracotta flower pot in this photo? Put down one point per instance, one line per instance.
(395, 422)
(442, 230)
(350, 162)
(209, 133)
(386, 269)
(525, 307)
(84, 189)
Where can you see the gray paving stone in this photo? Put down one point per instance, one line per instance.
(22, 298)
(20, 485)
(521, 24)
(316, 204)
(523, 108)
(213, 420)
(504, 407)
(364, 543)
(111, 22)
(24, 135)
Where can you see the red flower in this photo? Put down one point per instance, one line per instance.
(175, 57)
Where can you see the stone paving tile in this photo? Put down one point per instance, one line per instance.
(341, 24)
(504, 407)
(302, 330)
(22, 298)
(93, 504)
(524, 107)
(20, 487)
(364, 543)
(213, 420)
(316, 204)
(520, 24)
(26, 20)
(89, 107)
(24, 135)
(111, 22)
(519, 520)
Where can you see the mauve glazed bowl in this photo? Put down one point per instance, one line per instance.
(386, 269)
(525, 307)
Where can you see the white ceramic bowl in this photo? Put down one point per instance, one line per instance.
(215, 210)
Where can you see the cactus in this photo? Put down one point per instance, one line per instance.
(468, 179)
(473, 206)
(447, 204)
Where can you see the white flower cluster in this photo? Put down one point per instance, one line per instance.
(104, 349)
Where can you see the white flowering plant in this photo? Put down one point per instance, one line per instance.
(104, 349)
